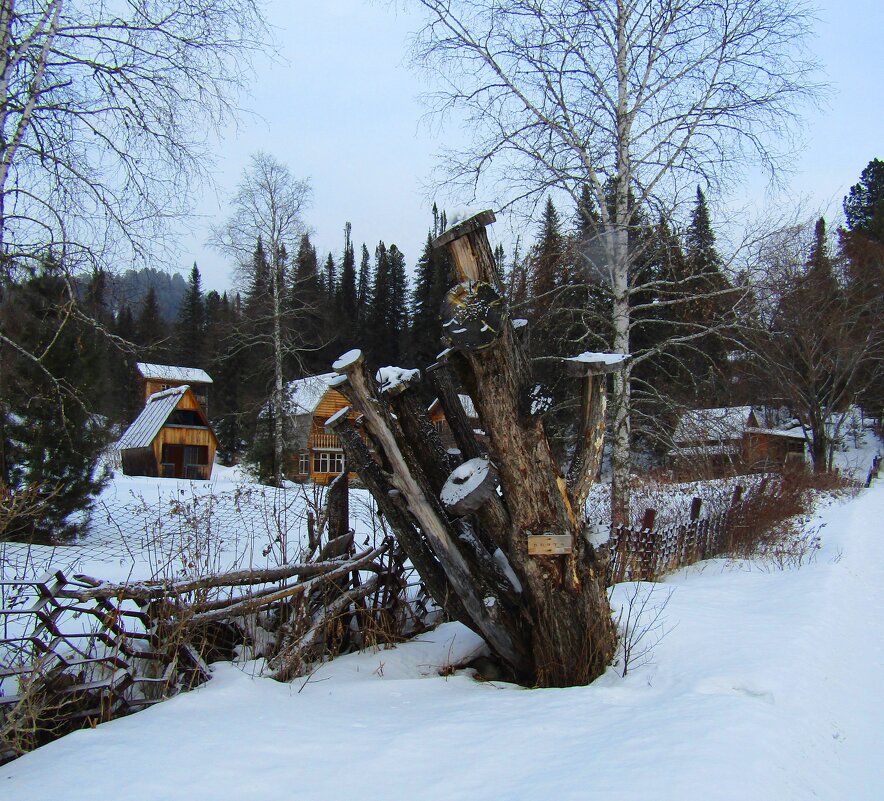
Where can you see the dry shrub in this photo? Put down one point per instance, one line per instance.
(773, 523)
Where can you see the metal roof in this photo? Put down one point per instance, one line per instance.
(168, 372)
(148, 424)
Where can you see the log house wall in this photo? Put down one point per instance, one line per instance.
(321, 440)
(201, 391)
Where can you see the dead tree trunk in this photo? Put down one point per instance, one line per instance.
(513, 555)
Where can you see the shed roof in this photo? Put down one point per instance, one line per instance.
(724, 423)
(168, 372)
(703, 451)
(304, 394)
(147, 425)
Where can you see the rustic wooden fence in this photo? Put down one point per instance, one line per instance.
(643, 553)
(76, 651)
(66, 661)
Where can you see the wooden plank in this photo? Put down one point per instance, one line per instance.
(550, 544)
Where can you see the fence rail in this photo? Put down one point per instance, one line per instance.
(75, 650)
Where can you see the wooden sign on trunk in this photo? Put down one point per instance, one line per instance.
(549, 544)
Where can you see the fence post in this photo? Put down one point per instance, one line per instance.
(649, 545)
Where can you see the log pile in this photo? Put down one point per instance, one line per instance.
(497, 537)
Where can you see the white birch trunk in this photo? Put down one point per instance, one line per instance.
(278, 381)
(620, 269)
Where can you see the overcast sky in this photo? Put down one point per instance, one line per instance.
(340, 107)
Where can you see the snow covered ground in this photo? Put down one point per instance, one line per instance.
(767, 684)
(143, 528)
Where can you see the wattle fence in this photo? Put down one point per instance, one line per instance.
(644, 553)
(71, 662)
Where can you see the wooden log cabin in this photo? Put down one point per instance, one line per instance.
(317, 455)
(171, 438)
(730, 440)
(160, 377)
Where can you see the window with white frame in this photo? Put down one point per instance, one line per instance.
(303, 463)
(328, 462)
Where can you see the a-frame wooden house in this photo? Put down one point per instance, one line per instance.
(171, 438)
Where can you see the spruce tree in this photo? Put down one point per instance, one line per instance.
(430, 287)
(376, 333)
(397, 310)
(100, 352)
(225, 363)
(308, 307)
(152, 331)
(330, 279)
(190, 326)
(347, 300)
(126, 392)
(363, 292)
(547, 277)
(516, 281)
(705, 308)
(862, 248)
(864, 204)
(51, 438)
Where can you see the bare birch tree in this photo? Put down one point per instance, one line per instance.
(104, 112)
(268, 207)
(105, 109)
(638, 100)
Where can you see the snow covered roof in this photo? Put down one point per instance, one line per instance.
(790, 433)
(147, 425)
(724, 423)
(304, 394)
(168, 372)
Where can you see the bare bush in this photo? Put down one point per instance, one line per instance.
(641, 623)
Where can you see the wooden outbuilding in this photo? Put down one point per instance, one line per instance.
(160, 377)
(171, 438)
(437, 415)
(728, 440)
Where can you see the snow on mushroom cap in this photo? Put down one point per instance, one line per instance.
(350, 357)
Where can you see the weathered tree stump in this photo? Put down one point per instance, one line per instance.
(543, 610)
